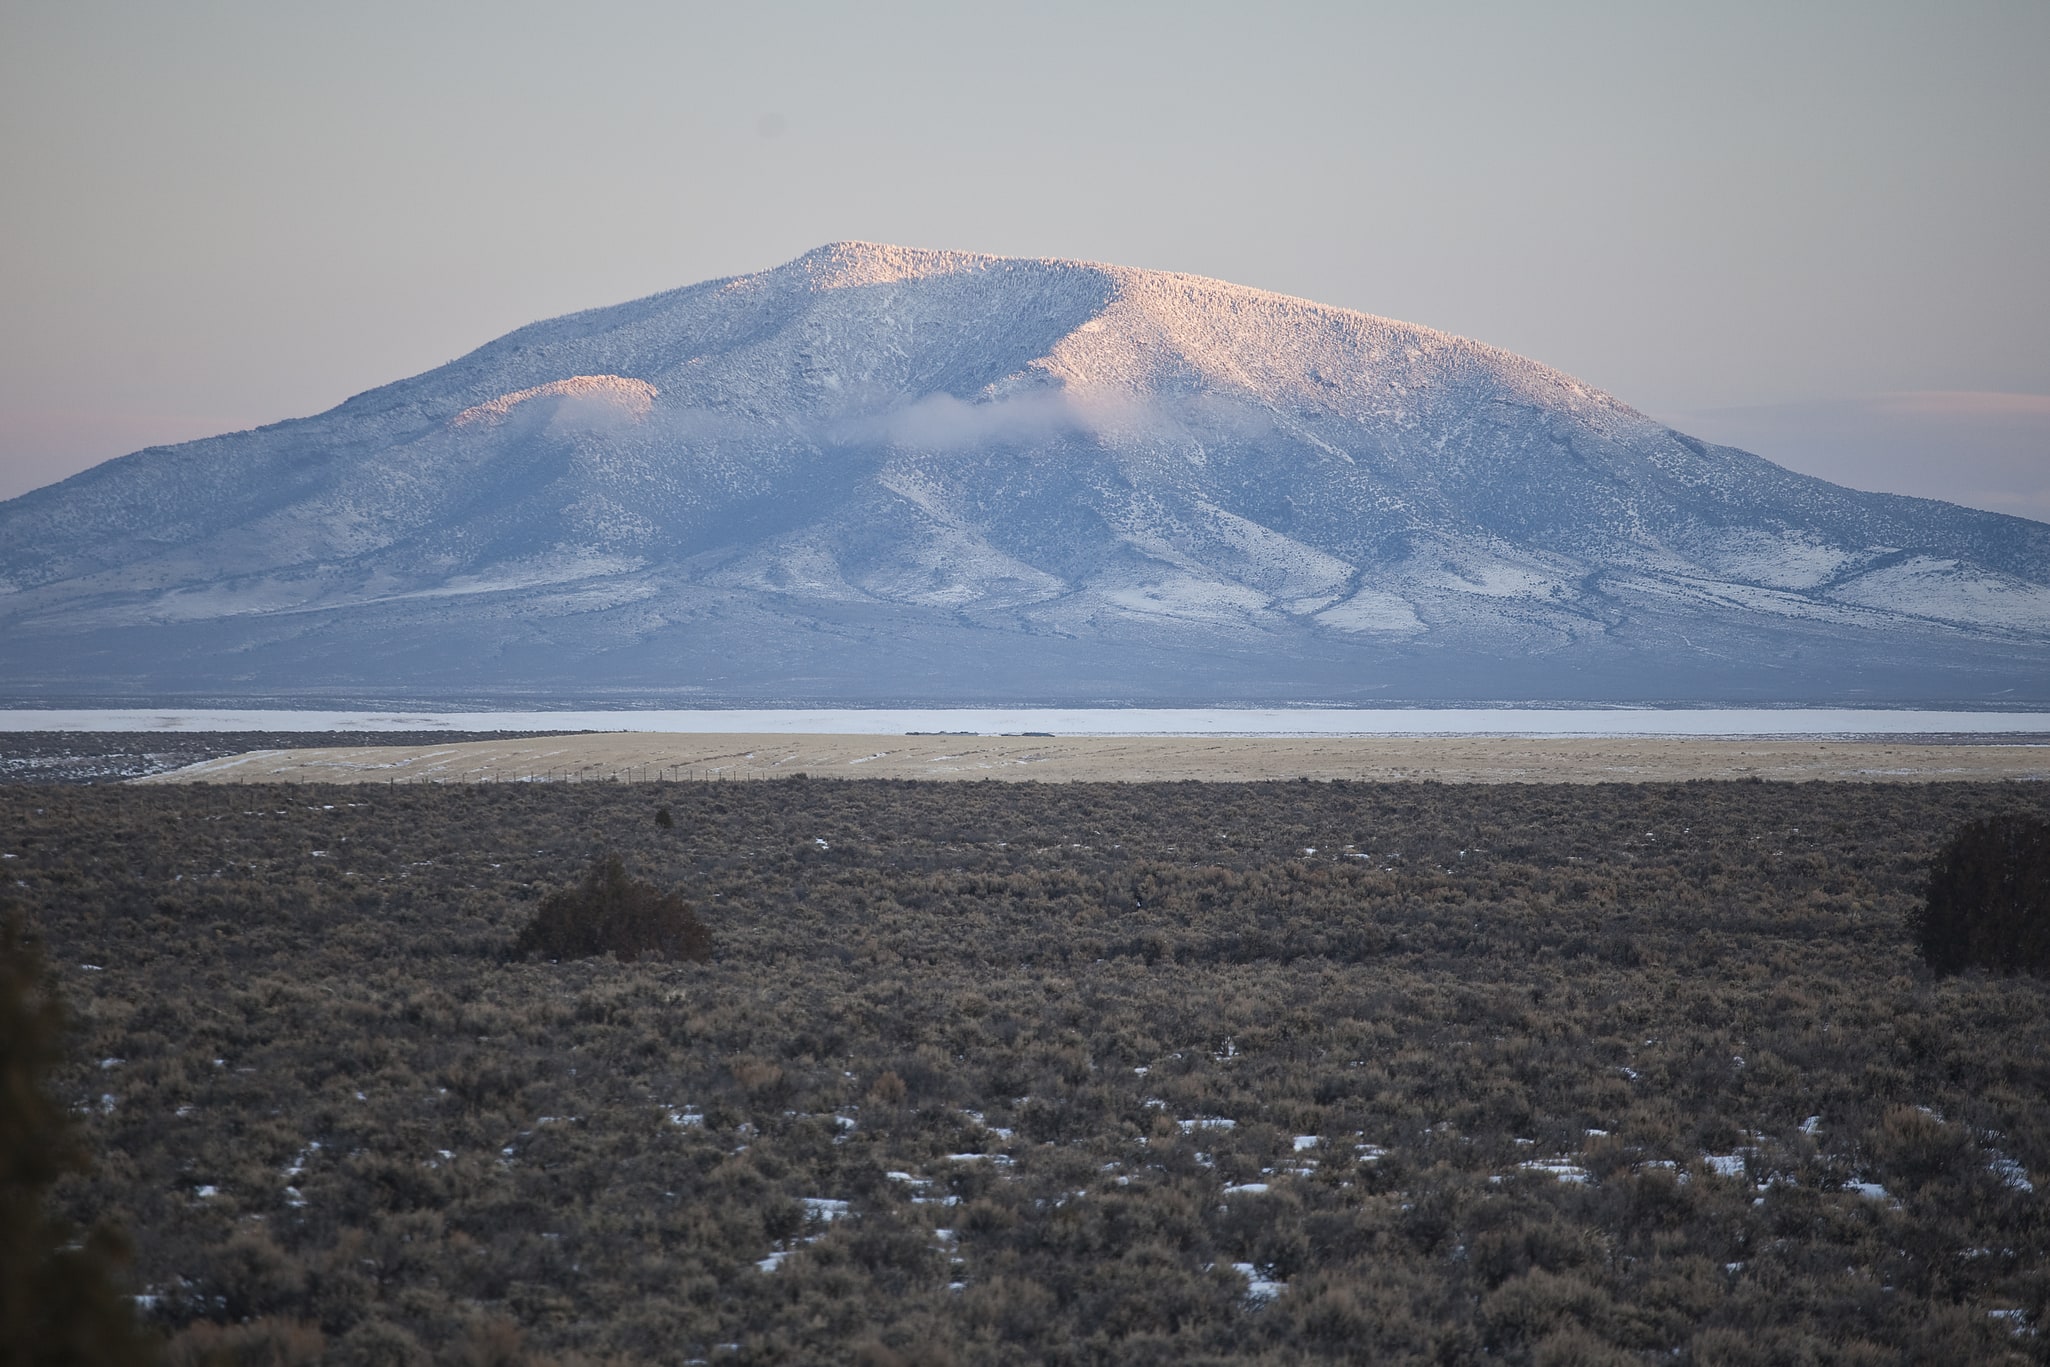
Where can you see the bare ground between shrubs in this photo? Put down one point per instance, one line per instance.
(1127, 759)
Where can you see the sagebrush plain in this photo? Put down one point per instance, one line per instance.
(1085, 1073)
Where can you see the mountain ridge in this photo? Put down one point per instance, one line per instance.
(890, 474)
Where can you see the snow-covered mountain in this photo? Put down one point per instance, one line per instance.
(879, 474)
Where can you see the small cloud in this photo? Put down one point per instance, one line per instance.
(944, 423)
(941, 422)
(594, 413)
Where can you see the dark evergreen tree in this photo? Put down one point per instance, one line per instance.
(610, 913)
(1988, 904)
(60, 1301)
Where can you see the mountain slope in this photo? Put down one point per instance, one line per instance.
(881, 474)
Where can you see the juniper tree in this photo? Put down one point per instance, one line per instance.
(59, 1302)
(1988, 904)
(611, 913)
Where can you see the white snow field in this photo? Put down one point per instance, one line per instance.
(877, 475)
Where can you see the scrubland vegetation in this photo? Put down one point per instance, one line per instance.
(1075, 1074)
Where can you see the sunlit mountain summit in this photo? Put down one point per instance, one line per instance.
(878, 474)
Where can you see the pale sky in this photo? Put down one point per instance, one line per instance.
(1817, 230)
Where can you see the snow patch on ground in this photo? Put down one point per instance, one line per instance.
(1372, 610)
(1259, 1287)
(1950, 591)
(1780, 560)
(1558, 1169)
(2011, 1173)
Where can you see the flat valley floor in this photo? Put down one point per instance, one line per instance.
(1132, 759)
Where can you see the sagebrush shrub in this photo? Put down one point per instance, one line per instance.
(610, 913)
(1988, 904)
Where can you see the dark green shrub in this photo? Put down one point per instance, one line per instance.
(610, 913)
(1988, 904)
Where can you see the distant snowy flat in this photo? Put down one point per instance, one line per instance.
(1473, 721)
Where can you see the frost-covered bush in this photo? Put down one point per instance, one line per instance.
(610, 913)
(1989, 899)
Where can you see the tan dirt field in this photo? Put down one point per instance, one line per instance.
(639, 756)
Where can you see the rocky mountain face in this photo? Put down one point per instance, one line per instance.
(884, 475)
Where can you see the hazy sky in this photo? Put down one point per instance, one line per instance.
(1768, 222)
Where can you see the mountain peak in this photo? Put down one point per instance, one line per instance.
(839, 265)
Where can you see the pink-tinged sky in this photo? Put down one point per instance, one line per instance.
(1814, 230)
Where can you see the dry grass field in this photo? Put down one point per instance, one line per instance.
(1125, 759)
